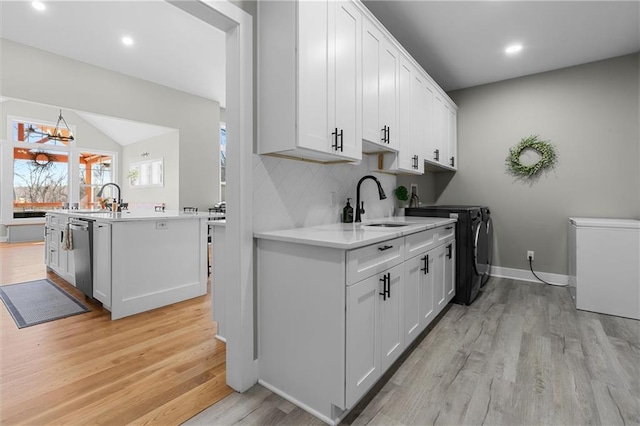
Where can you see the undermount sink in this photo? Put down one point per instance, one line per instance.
(387, 225)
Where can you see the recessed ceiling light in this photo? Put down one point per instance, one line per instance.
(127, 41)
(513, 48)
(38, 5)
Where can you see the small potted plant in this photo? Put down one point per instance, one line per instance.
(402, 194)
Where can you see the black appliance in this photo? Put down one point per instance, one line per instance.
(472, 250)
(487, 243)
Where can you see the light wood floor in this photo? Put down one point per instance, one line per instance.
(520, 355)
(159, 367)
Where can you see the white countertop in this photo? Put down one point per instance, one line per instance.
(349, 236)
(129, 215)
(217, 222)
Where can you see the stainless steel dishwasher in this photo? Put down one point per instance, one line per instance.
(82, 233)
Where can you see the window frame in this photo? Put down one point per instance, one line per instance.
(73, 151)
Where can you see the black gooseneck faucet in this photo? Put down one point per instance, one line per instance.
(118, 199)
(359, 207)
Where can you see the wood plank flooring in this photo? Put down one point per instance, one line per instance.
(159, 367)
(520, 355)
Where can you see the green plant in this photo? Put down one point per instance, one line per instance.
(548, 157)
(402, 193)
(133, 174)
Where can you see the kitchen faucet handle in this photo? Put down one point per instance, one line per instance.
(362, 208)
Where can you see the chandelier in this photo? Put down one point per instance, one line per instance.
(57, 131)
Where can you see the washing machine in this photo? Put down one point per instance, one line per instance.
(485, 244)
(472, 255)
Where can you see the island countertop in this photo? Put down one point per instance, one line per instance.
(130, 215)
(353, 235)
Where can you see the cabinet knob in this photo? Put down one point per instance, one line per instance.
(453, 161)
(436, 155)
(449, 251)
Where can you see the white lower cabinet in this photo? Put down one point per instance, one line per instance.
(332, 321)
(429, 282)
(375, 337)
(102, 263)
(363, 337)
(58, 260)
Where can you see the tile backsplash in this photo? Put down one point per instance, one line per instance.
(290, 194)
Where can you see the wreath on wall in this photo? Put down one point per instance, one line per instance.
(546, 151)
(42, 159)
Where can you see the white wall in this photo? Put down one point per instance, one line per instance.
(590, 113)
(290, 194)
(165, 146)
(56, 80)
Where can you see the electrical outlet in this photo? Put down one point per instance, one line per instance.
(161, 225)
(530, 254)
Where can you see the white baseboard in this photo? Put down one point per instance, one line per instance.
(526, 275)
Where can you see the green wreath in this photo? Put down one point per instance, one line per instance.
(548, 157)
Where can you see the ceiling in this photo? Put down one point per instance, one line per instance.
(460, 43)
(171, 47)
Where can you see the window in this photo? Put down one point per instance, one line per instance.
(41, 173)
(40, 181)
(95, 170)
(145, 174)
(223, 161)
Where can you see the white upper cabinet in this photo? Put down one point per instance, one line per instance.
(309, 80)
(443, 149)
(380, 61)
(333, 84)
(453, 137)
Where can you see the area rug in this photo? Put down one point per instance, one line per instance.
(35, 302)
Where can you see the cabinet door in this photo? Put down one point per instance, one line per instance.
(417, 120)
(55, 237)
(439, 267)
(345, 73)
(412, 282)
(379, 88)
(453, 138)
(450, 270)
(363, 337)
(389, 60)
(428, 139)
(440, 130)
(406, 161)
(313, 76)
(371, 48)
(391, 318)
(427, 288)
(102, 263)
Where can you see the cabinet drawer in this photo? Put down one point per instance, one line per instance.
(367, 261)
(420, 241)
(56, 220)
(446, 233)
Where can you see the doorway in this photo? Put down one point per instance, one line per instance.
(242, 369)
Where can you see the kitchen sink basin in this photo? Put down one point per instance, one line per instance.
(387, 225)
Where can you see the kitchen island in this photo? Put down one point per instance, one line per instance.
(141, 260)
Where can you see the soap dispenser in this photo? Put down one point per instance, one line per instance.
(347, 213)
